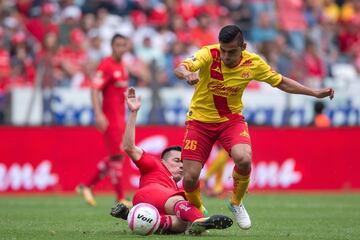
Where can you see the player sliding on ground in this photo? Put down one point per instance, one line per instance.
(221, 72)
(158, 184)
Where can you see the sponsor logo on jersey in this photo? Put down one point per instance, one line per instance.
(117, 74)
(247, 63)
(98, 79)
(219, 89)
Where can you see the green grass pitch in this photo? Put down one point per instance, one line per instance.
(312, 216)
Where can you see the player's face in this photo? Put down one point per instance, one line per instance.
(119, 47)
(174, 163)
(231, 53)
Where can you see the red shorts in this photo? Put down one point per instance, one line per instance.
(155, 195)
(113, 138)
(200, 137)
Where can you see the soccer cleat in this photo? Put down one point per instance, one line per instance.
(120, 210)
(87, 194)
(241, 215)
(204, 211)
(214, 222)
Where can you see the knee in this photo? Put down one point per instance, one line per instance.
(243, 159)
(189, 179)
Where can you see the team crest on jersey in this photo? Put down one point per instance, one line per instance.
(117, 74)
(98, 79)
(245, 75)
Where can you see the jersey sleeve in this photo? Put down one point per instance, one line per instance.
(147, 163)
(265, 73)
(100, 79)
(198, 60)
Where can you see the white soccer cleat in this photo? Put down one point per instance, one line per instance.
(241, 216)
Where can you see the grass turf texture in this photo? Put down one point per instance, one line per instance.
(274, 216)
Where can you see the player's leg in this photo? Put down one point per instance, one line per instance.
(86, 189)
(115, 163)
(242, 156)
(217, 168)
(116, 174)
(187, 212)
(197, 145)
(191, 184)
(241, 178)
(235, 139)
(171, 224)
(183, 209)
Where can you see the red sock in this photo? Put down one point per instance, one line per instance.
(115, 174)
(101, 172)
(165, 224)
(186, 211)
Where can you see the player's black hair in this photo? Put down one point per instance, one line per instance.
(168, 149)
(319, 107)
(117, 35)
(229, 33)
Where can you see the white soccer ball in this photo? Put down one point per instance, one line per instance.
(143, 219)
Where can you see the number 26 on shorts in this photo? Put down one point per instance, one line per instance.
(190, 144)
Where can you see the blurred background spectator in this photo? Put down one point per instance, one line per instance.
(60, 42)
(321, 120)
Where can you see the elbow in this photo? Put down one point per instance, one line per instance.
(128, 148)
(177, 72)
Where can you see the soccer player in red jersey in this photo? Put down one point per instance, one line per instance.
(158, 184)
(221, 72)
(109, 84)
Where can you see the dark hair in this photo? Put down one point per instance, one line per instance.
(229, 33)
(319, 107)
(117, 35)
(168, 149)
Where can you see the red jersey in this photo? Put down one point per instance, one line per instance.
(154, 172)
(112, 79)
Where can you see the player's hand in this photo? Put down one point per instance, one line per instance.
(326, 92)
(101, 122)
(133, 102)
(192, 78)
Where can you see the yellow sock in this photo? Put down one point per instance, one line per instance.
(194, 197)
(241, 184)
(218, 164)
(219, 186)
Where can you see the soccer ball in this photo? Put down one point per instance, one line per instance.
(143, 219)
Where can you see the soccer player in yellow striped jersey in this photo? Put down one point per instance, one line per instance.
(221, 72)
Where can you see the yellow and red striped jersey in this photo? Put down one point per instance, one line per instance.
(218, 94)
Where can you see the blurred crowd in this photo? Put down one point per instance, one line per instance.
(59, 43)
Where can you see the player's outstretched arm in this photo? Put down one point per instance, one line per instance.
(182, 73)
(291, 86)
(128, 143)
